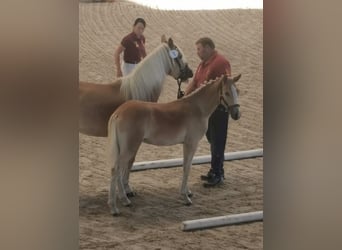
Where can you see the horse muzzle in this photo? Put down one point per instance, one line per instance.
(185, 73)
(235, 113)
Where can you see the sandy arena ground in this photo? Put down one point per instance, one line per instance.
(154, 220)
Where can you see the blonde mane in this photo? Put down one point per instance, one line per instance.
(146, 80)
(203, 85)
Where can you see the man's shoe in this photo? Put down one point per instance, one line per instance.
(214, 182)
(208, 176)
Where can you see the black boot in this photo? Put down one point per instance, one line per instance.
(208, 176)
(215, 181)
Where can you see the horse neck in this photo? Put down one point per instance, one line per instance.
(146, 80)
(206, 99)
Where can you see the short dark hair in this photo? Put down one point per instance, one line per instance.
(206, 41)
(140, 20)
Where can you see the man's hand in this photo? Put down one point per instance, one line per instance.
(180, 94)
(190, 88)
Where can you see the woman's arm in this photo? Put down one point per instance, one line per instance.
(117, 54)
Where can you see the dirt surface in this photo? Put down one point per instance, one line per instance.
(154, 220)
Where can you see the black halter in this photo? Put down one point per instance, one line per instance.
(180, 93)
(184, 73)
(225, 103)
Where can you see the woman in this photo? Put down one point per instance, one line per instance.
(133, 46)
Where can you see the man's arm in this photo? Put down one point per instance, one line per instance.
(191, 87)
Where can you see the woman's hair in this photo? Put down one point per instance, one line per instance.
(206, 41)
(140, 20)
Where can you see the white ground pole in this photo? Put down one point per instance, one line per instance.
(191, 225)
(239, 155)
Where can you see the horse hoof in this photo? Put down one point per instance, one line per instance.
(188, 202)
(115, 213)
(131, 194)
(127, 203)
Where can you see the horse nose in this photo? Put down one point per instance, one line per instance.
(236, 115)
(186, 73)
(189, 71)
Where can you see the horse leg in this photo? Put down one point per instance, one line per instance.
(128, 189)
(188, 151)
(133, 149)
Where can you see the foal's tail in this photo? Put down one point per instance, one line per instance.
(113, 144)
(113, 162)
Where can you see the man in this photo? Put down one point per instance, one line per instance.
(212, 65)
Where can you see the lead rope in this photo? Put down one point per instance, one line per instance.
(180, 93)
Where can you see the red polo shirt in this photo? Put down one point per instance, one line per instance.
(214, 67)
(134, 48)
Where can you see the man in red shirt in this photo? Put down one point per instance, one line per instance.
(213, 65)
(133, 46)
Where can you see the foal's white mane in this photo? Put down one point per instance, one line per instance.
(146, 80)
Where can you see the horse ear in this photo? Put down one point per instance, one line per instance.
(170, 43)
(163, 38)
(236, 78)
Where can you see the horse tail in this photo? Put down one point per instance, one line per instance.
(113, 162)
(113, 144)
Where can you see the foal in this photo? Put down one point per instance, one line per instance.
(183, 121)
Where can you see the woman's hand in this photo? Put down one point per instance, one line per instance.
(118, 73)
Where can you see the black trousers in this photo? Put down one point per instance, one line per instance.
(217, 137)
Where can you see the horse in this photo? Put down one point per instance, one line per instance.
(183, 121)
(99, 101)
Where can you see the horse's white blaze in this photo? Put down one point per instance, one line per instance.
(235, 95)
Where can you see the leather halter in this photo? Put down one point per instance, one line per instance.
(182, 71)
(225, 103)
(182, 74)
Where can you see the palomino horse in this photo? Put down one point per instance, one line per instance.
(183, 121)
(99, 101)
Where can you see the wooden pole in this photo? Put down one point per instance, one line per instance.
(140, 166)
(191, 225)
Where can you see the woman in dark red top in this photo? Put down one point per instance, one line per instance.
(133, 46)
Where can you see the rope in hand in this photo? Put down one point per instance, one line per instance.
(180, 93)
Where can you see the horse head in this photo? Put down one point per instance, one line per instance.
(229, 94)
(180, 69)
